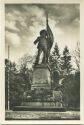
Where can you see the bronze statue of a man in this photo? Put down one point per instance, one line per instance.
(45, 42)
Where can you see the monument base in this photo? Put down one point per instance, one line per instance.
(42, 104)
(42, 97)
(27, 108)
(41, 77)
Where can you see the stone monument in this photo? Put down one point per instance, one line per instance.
(41, 70)
(42, 95)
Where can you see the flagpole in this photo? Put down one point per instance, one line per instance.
(46, 21)
(8, 76)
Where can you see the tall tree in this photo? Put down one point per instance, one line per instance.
(66, 62)
(54, 59)
(15, 88)
(54, 62)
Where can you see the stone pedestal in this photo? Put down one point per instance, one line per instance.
(41, 77)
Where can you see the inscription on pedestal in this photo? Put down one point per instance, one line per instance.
(41, 77)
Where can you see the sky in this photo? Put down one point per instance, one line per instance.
(23, 22)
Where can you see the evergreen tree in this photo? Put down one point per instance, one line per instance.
(54, 62)
(54, 59)
(15, 88)
(66, 62)
(19, 82)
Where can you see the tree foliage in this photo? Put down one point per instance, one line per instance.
(19, 82)
(66, 62)
(15, 89)
(71, 82)
(71, 90)
(54, 59)
(54, 62)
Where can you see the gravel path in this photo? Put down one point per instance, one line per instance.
(42, 115)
